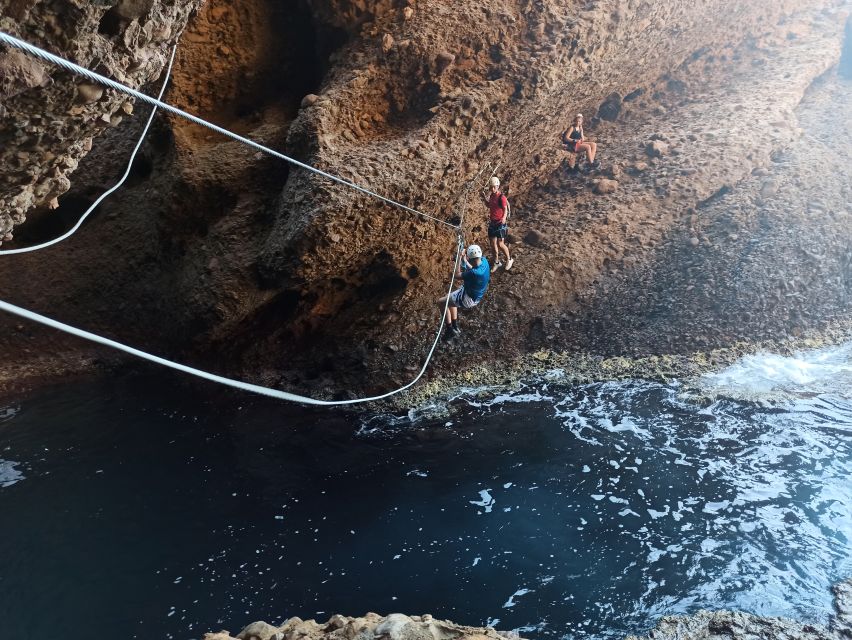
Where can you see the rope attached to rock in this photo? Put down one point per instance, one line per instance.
(75, 68)
(230, 382)
(118, 184)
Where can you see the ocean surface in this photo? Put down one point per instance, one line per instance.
(144, 508)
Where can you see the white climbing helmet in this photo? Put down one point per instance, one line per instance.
(495, 181)
(474, 251)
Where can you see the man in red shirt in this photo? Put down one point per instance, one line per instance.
(498, 211)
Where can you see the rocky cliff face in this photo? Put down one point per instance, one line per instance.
(244, 264)
(50, 118)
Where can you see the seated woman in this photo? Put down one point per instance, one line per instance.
(575, 141)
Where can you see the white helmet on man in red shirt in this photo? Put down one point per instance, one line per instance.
(495, 181)
(474, 251)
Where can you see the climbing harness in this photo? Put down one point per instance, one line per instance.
(267, 391)
(67, 64)
(105, 194)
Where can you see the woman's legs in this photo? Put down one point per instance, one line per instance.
(589, 148)
(495, 251)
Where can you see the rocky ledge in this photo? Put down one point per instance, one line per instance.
(395, 626)
(703, 625)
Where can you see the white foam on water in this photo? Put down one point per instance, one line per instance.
(530, 628)
(511, 601)
(485, 501)
(9, 475)
(772, 376)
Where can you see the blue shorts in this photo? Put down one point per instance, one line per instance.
(497, 230)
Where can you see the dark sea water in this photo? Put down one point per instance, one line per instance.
(155, 510)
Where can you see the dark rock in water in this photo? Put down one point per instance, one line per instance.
(842, 622)
(734, 626)
(611, 107)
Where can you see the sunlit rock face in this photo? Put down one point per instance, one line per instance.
(51, 118)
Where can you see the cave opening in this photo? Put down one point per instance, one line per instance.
(246, 64)
(295, 64)
(44, 225)
(111, 23)
(381, 279)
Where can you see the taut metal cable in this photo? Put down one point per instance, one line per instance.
(91, 75)
(230, 382)
(259, 389)
(118, 184)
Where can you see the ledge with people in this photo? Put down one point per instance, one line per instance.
(574, 141)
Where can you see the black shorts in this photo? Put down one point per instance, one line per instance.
(497, 230)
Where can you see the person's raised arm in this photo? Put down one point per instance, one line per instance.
(464, 265)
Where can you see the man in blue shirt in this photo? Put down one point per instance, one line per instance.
(475, 274)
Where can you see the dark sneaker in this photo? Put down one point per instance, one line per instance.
(455, 330)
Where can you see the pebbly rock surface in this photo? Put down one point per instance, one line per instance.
(682, 241)
(371, 626)
(49, 118)
(708, 625)
(703, 625)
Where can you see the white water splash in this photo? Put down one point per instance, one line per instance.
(511, 601)
(9, 475)
(766, 375)
(486, 501)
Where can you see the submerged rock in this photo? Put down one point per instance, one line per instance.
(842, 622)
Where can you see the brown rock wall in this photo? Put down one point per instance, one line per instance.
(416, 129)
(49, 117)
(235, 259)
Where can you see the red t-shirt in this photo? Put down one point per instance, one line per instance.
(497, 205)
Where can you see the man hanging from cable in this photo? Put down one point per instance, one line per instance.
(498, 227)
(475, 278)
